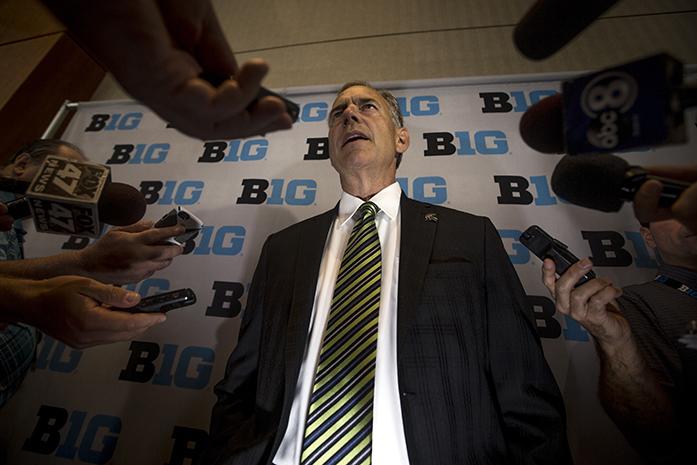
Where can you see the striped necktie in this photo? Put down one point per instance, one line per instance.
(339, 422)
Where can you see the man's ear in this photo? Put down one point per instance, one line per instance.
(647, 236)
(402, 140)
(20, 165)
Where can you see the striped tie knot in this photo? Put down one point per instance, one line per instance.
(368, 211)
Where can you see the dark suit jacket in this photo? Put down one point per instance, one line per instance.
(475, 386)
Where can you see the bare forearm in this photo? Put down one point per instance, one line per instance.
(16, 299)
(67, 263)
(632, 396)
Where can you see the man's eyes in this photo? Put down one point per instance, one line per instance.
(363, 107)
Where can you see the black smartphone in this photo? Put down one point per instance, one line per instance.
(163, 302)
(292, 108)
(545, 246)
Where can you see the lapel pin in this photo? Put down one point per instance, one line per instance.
(433, 217)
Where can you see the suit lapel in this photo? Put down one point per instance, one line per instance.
(417, 235)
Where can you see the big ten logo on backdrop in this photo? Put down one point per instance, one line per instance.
(87, 437)
(512, 101)
(234, 150)
(419, 105)
(295, 192)
(608, 249)
(483, 142)
(169, 365)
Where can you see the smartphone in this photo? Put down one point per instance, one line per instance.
(163, 302)
(179, 215)
(292, 108)
(545, 246)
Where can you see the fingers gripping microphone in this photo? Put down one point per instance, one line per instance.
(71, 197)
(604, 182)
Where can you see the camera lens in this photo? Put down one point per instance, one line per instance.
(183, 215)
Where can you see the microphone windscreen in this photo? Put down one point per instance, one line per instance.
(551, 24)
(121, 204)
(591, 181)
(542, 125)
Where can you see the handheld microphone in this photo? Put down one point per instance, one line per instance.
(604, 182)
(74, 197)
(551, 24)
(638, 104)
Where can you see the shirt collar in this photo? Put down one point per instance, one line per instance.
(387, 200)
(685, 276)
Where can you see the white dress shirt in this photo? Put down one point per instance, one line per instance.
(389, 445)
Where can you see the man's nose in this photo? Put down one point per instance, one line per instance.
(350, 114)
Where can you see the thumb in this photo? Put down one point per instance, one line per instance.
(111, 295)
(646, 201)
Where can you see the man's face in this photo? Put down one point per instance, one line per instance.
(24, 168)
(676, 244)
(362, 134)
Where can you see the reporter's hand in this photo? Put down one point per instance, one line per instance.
(646, 208)
(130, 254)
(5, 219)
(75, 310)
(592, 304)
(162, 48)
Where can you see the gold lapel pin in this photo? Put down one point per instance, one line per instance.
(433, 217)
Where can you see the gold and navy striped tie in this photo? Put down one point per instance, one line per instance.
(339, 422)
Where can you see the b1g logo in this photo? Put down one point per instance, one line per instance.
(516, 101)
(603, 100)
(420, 105)
(189, 368)
(91, 438)
(149, 154)
(293, 192)
(235, 150)
(186, 192)
(485, 143)
(115, 122)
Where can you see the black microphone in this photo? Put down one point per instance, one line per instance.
(604, 182)
(74, 197)
(551, 24)
(119, 205)
(637, 104)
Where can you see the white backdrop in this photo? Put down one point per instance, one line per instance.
(149, 402)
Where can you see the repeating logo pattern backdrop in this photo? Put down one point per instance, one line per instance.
(148, 401)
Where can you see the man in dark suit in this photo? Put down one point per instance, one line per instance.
(385, 331)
